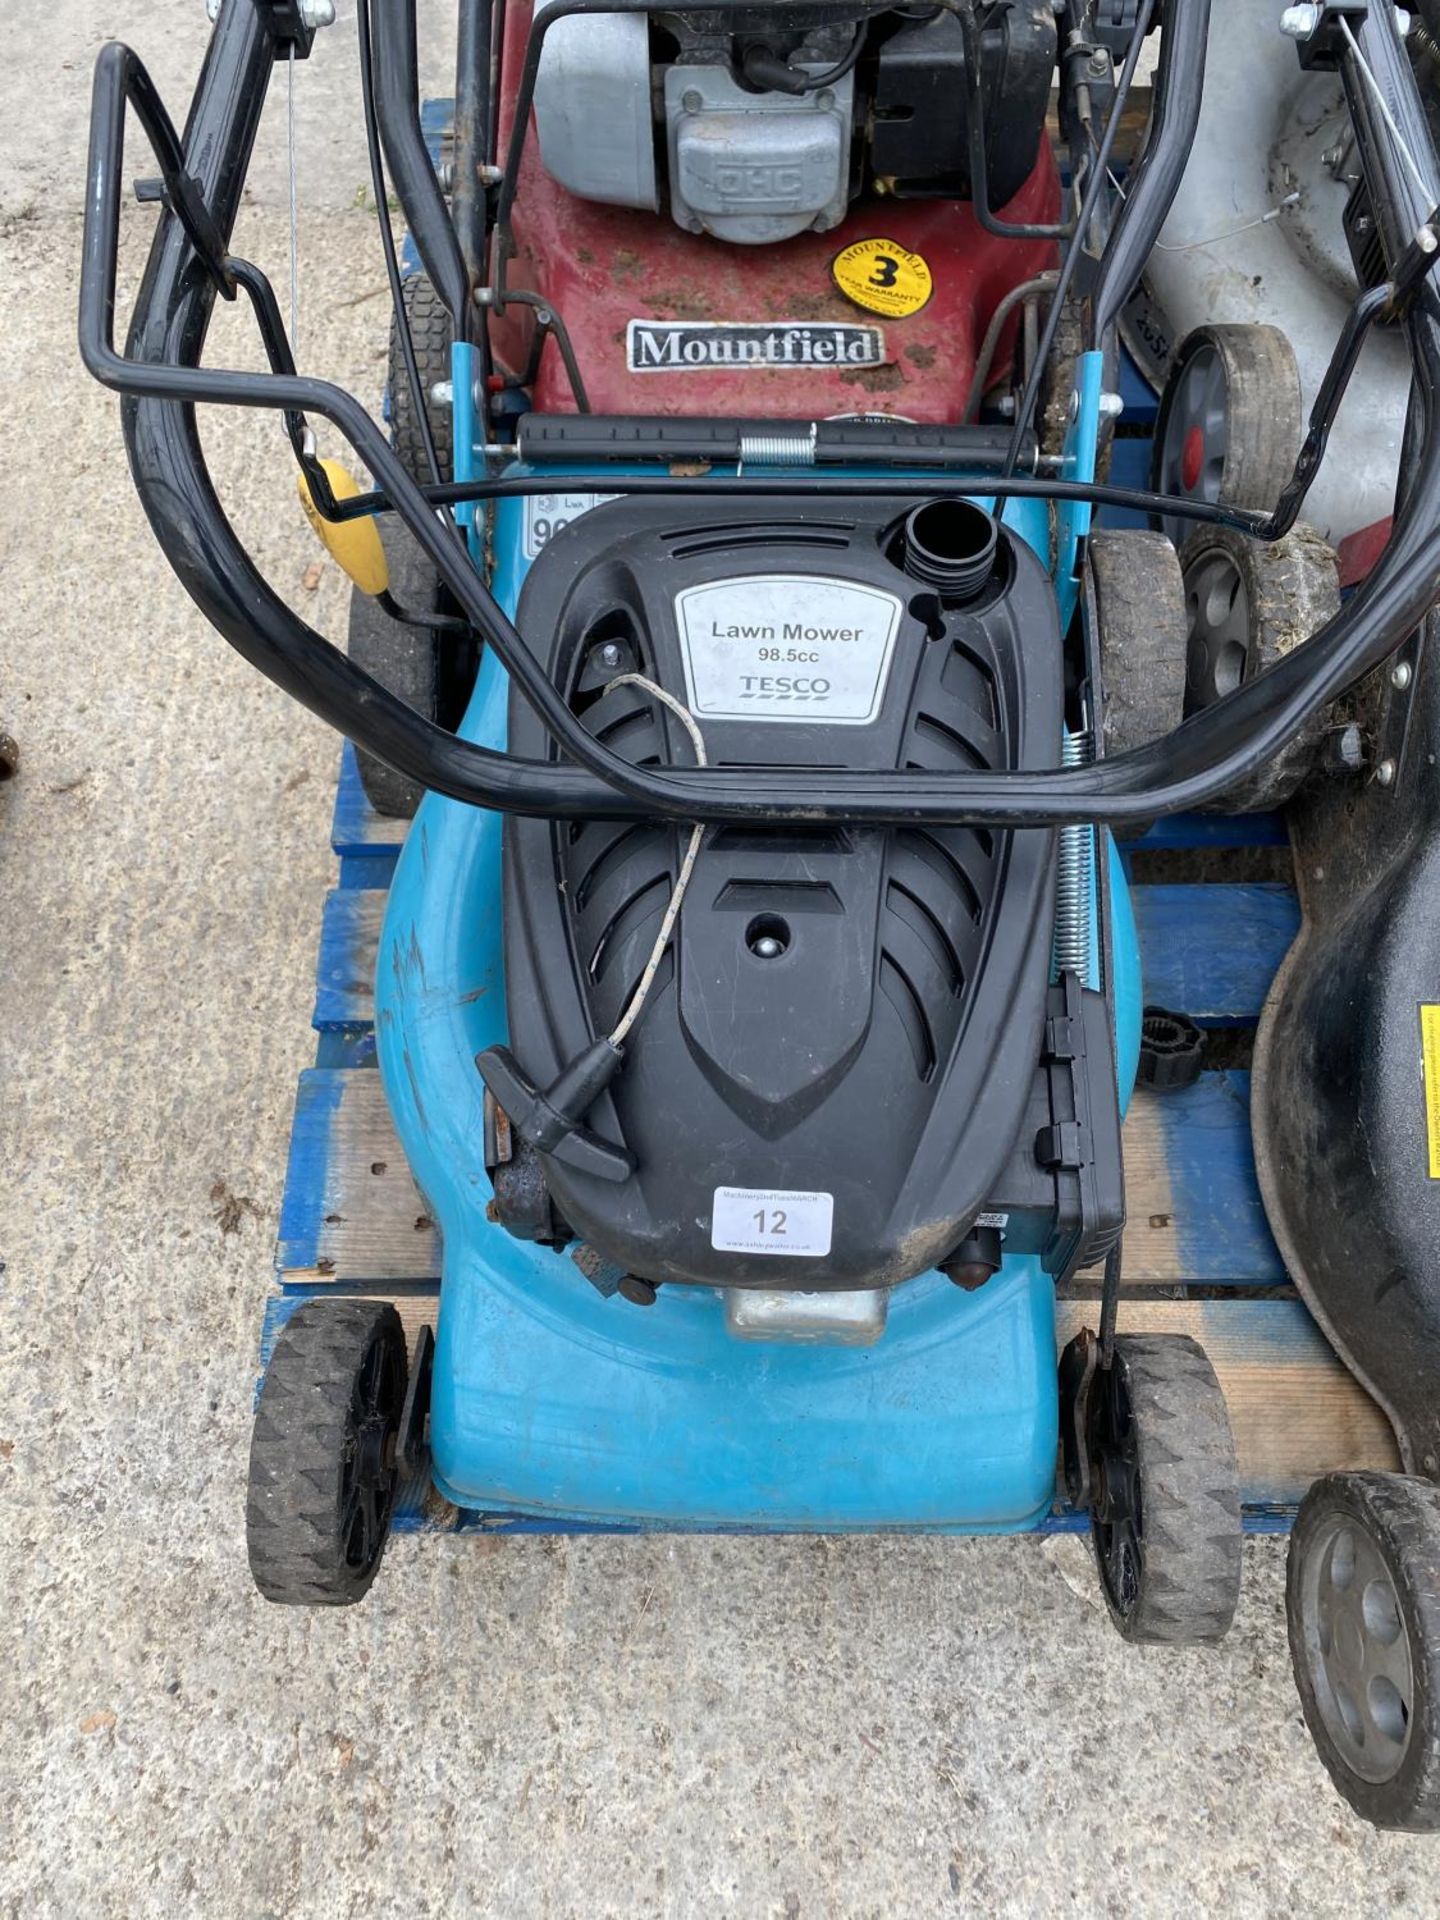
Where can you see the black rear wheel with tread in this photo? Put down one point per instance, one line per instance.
(1362, 1602)
(404, 659)
(432, 331)
(323, 1453)
(1166, 1519)
(411, 662)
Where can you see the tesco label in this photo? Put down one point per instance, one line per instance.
(787, 647)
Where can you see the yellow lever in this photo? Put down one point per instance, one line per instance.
(352, 544)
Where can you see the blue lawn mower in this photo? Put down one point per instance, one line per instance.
(758, 998)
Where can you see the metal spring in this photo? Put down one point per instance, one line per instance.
(779, 449)
(1076, 866)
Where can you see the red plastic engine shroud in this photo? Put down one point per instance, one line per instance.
(601, 267)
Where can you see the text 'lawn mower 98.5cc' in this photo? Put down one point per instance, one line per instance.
(758, 996)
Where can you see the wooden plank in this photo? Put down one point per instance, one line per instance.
(1296, 1412)
(1190, 830)
(416, 1310)
(352, 1214)
(356, 829)
(1194, 1212)
(345, 964)
(1212, 951)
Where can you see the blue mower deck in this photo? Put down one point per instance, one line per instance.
(1198, 1256)
(352, 1220)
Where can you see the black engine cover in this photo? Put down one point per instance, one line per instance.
(846, 1013)
(919, 133)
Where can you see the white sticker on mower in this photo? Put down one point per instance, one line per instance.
(729, 346)
(786, 646)
(547, 513)
(764, 1220)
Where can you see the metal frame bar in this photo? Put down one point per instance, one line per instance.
(468, 200)
(1151, 184)
(1095, 188)
(397, 108)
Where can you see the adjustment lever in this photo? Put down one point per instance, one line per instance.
(550, 1119)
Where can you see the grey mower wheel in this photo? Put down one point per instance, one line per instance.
(1135, 596)
(408, 661)
(1229, 425)
(1362, 1601)
(323, 1474)
(1247, 604)
(1166, 1518)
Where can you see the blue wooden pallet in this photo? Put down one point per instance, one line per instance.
(1198, 1254)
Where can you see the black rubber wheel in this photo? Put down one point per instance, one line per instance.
(404, 659)
(1229, 425)
(1247, 604)
(322, 1454)
(1362, 1601)
(1135, 596)
(432, 331)
(410, 661)
(1166, 1518)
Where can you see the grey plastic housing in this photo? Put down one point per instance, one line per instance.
(749, 168)
(753, 168)
(592, 108)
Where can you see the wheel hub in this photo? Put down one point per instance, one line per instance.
(1116, 1519)
(1217, 608)
(1197, 427)
(1358, 1652)
(369, 1486)
(1192, 460)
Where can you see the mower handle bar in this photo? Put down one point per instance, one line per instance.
(161, 381)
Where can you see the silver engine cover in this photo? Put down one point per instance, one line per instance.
(755, 167)
(746, 167)
(592, 108)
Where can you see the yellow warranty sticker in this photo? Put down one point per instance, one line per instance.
(883, 278)
(1430, 1051)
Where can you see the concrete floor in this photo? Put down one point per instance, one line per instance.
(587, 1727)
